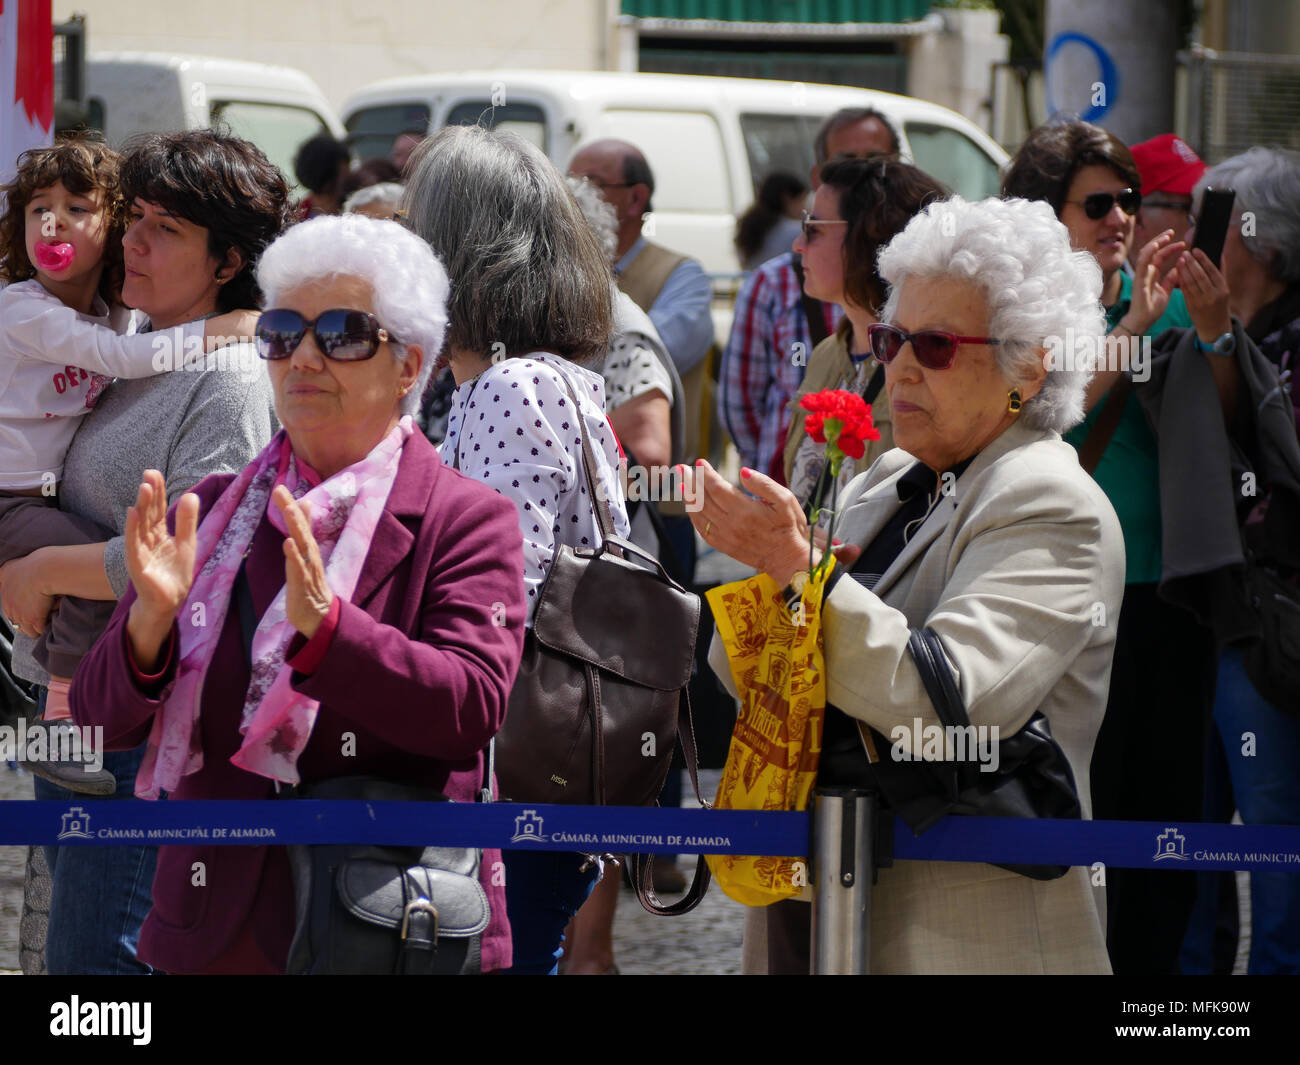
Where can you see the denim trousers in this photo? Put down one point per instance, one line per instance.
(544, 891)
(1262, 745)
(99, 896)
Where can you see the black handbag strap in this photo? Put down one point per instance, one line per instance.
(813, 309)
(874, 386)
(931, 663)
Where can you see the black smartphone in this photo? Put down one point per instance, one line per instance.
(1212, 222)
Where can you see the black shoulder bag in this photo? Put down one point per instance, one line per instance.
(1033, 778)
(368, 910)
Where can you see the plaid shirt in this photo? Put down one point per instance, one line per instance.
(764, 363)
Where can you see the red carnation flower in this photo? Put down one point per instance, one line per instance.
(839, 419)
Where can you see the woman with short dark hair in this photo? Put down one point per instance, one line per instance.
(203, 206)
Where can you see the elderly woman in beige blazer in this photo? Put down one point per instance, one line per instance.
(982, 526)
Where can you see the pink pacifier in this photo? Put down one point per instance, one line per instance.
(54, 257)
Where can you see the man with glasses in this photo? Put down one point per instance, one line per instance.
(673, 289)
(1169, 169)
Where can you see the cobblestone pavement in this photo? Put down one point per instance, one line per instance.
(13, 785)
(704, 941)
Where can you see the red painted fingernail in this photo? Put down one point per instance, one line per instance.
(699, 462)
(746, 473)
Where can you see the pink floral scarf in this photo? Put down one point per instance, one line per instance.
(276, 721)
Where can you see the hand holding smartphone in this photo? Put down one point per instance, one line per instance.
(1212, 222)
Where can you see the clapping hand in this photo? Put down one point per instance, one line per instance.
(161, 565)
(307, 592)
(1153, 281)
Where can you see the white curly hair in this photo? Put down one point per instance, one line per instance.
(409, 287)
(1038, 288)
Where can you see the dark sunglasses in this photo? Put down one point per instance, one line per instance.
(341, 334)
(809, 222)
(1098, 205)
(934, 348)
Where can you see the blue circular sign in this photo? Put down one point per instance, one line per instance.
(1107, 73)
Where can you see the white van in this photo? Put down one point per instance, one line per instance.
(709, 141)
(277, 108)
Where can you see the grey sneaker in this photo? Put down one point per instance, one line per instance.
(75, 776)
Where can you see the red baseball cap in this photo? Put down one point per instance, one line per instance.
(1167, 164)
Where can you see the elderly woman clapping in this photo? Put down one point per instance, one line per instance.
(981, 526)
(370, 574)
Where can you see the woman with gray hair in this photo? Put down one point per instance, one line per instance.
(980, 526)
(334, 609)
(1247, 326)
(529, 312)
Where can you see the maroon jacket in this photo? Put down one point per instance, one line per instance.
(418, 670)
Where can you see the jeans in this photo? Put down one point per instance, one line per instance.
(100, 896)
(1147, 766)
(544, 891)
(1266, 787)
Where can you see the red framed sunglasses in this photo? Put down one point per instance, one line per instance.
(934, 348)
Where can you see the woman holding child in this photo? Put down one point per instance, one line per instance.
(200, 208)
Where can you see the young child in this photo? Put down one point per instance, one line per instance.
(60, 346)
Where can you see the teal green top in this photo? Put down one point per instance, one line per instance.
(1129, 470)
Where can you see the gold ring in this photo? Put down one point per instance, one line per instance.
(707, 526)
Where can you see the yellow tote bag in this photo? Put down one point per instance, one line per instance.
(779, 668)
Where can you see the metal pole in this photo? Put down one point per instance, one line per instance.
(843, 842)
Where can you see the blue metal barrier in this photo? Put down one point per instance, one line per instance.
(644, 830)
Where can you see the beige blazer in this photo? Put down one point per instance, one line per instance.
(1020, 570)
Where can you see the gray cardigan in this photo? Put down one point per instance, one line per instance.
(1212, 476)
(185, 423)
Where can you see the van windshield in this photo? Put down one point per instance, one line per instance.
(526, 120)
(954, 159)
(779, 142)
(278, 129)
(372, 130)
